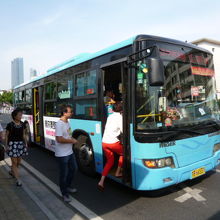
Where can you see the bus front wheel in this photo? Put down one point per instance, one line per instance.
(84, 155)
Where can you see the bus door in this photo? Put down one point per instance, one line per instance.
(115, 78)
(36, 115)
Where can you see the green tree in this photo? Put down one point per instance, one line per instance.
(6, 97)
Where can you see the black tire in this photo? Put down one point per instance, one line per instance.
(84, 155)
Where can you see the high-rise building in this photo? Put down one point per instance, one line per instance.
(17, 72)
(33, 73)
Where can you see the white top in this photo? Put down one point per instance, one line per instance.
(63, 130)
(113, 128)
(1, 129)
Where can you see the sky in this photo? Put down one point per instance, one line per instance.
(48, 32)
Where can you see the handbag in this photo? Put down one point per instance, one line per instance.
(2, 152)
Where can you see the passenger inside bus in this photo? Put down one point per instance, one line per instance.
(109, 101)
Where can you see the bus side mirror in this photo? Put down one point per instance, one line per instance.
(156, 71)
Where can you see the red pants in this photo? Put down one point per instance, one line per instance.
(109, 150)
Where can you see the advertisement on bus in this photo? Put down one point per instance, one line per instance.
(49, 132)
(29, 119)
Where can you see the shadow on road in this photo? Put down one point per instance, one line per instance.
(115, 194)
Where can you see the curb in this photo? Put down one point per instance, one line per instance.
(55, 189)
(42, 207)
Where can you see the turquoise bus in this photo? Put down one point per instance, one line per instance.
(171, 131)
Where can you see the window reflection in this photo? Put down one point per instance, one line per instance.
(28, 95)
(188, 94)
(86, 109)
(50, 91)
(64, 88)
(86, 83)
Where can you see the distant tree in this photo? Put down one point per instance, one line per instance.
(6, 97)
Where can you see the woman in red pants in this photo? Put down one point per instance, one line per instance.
(111, 143)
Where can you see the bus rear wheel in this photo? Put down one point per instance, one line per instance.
(84, 155)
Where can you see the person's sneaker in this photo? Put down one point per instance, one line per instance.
(72, 190)
(66, 198)
(18, 183)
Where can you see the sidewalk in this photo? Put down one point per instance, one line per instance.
(14, 201)
(32, 201)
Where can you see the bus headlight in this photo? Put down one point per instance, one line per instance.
(216, 147)
(159, 163)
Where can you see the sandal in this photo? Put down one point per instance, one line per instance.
(119, 176)
(100, 188)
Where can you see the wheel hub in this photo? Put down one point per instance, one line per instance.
(85, 154)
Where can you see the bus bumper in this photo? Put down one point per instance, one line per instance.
(153, 179)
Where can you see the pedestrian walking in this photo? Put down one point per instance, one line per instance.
(64, 153)
(16, 143)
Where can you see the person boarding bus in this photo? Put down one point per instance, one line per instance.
(111, 143)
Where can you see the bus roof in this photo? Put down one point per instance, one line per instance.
(83, 57)
(80, 59)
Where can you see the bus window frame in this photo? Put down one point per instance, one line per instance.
(87, 97)
(44, 92)
(75, 87)
(44, 109)
(22, 105)
(144, 136)
(29, 102)
(21, 101)
(65, 74)
(46, 81)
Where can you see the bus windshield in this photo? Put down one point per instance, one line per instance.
(188, 95)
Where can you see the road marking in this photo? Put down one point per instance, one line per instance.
(183, 198)
(74, 203)
(190, 193)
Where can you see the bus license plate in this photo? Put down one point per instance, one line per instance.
(198, 172)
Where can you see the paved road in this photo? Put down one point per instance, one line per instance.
(197, 199)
